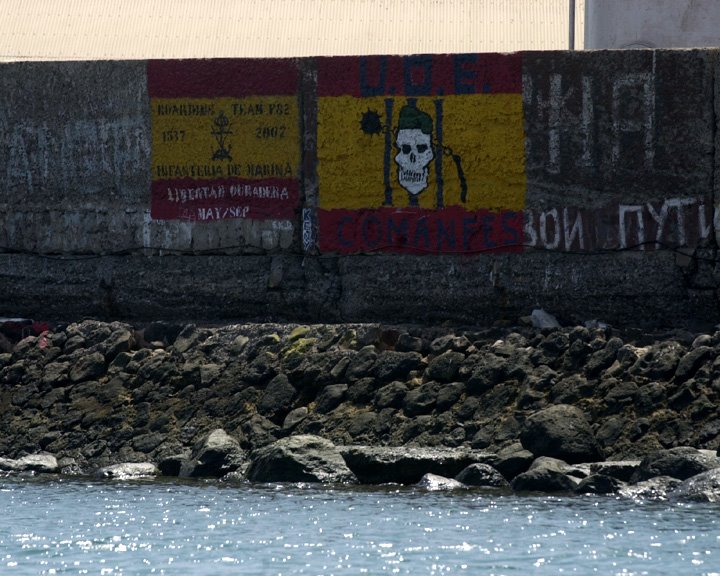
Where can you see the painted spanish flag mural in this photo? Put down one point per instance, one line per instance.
(421, 154)
(225, 139)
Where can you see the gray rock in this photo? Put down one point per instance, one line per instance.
(444, 367)
(406, 464)
(610, 430)
(121, 340)
(391, 395)
(88, 367)
(563, 432)
(187, 338)
(408, 343)
(658, 362)
(171, 464)
(543, 480)
(128, 470)
(277, 398)
(621, 394)
(449, 342)
(361, 424)
(482, 475)
(704, 487)
(490, 370)
(690, 363)
(620, 469)
(702, 340)
(421, 400)
(448, 395)
(395, 365)
(362, 391)
(598, 484)
(146, 443)
(260, 431)
(681, 463)
(361, 363)
(161, 332)
(302, 458)
(603, 358)
(330, 398)
(214, 456)
(513, 460)
(433, 482)
(656, 488)
(294, 417)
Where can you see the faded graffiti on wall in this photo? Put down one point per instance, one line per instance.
(669, 223)
(225, 139)
(420, 154)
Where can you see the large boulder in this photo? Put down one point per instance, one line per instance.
(276, 400)
(407, 465)
(482, 476)
(703, 487)
(599, 484)
(656, 488)
(548, 474)
(621, 469)
(215, 455)
(513, 460)
(682, 463)
(562, 432)
(88, 367)
(543, 480)
(301, 458)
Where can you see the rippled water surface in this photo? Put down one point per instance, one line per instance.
(82, 527)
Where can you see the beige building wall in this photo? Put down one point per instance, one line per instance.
(138, 29)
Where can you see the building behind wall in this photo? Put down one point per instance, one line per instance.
(652, 24)
(137, 29)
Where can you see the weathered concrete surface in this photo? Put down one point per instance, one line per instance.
(655, 290)
(618, 126)
(75, 144)
(621, 166)
(169, 287)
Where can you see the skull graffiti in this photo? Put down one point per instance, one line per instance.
(414, 154)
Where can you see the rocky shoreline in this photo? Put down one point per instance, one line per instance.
(573, 409)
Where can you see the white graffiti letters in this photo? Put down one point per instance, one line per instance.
(671, 223)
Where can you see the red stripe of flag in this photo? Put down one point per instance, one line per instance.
(222, 77)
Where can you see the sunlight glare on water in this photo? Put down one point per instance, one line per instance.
(80, 527)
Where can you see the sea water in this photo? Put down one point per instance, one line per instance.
(75, 526)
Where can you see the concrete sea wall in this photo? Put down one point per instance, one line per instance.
(468, 187)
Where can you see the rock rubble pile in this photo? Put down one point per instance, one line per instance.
(539, 409)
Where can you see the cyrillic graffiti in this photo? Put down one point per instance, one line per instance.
(670, 223)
